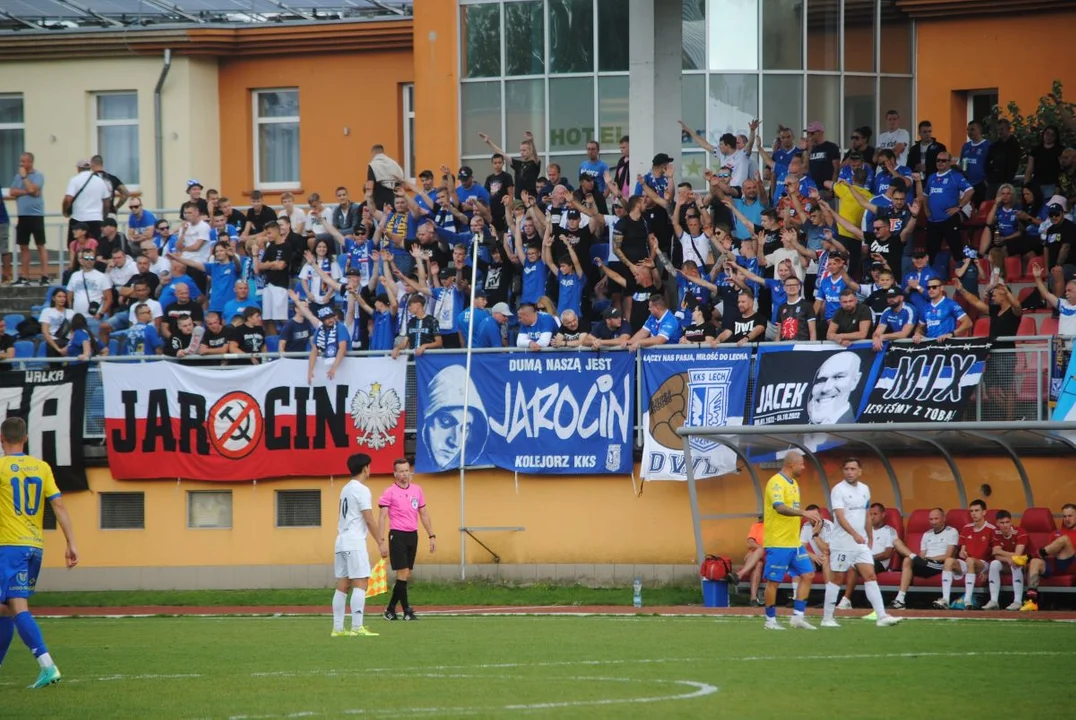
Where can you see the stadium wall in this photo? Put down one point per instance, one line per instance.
(591, 529)
(1009, 53)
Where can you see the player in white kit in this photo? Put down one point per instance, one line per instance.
(850, 544)
(351, 565)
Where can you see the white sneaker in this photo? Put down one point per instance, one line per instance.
(829, 623)
(772, 624)
(844, 604)
(992, 605)
(941, 604)
(888, 620)
(1015, 606)
(800, 622)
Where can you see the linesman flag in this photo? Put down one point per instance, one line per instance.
(379, 580)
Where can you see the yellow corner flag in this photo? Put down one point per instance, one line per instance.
(379, 580)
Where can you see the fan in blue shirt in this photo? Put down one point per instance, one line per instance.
(888, 170)
(168, 292)
(468, 189)
(943, 318)
(480, 316)
(535, 272)
(142, 337)
(296, 333)
(973, 154)
(916, 282)
(536, 329)
(855, 163)
(945, 190)
(660, 328)
(488, 334)
(594, 166)
(827, 293)
(570, 277)
(235, 307)
(359, 252)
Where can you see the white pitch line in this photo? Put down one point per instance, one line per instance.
(699, 689)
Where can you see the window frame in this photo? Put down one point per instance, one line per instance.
(101, 510)
(98, 123)
(256, 122)
(407, 114)
(289, 491)
(231, 509)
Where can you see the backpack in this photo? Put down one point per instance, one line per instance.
(716, 567)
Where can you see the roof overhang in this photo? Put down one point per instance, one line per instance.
(940, 9)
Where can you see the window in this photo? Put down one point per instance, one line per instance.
(209, 509)
(276, 139)
(981, 104)
(116, 134)
(733, 35)
(123, 511)
(298, 508)
(480, 26)
(409, 129)
(12, 131)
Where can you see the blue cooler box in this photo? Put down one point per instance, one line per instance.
(715, 593)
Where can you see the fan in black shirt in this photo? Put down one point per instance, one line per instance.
(497, 275)
(701, 329)
(248, 338)
(746, 325)
(259, 214)
(526, 168)
(216, 337)
(178, 344)
(422, 329)
(499, 185)
(183, 307)
(631, 234)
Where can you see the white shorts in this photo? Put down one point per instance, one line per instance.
(352, 564)
(841, 559)
(963, 569)
(274, 303)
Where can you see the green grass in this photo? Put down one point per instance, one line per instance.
(431, 594)
(564, 667)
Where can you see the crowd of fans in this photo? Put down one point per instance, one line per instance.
(804, 243)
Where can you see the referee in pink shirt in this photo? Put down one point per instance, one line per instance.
(404, 504)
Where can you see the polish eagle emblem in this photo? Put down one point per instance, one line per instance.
(376, 414)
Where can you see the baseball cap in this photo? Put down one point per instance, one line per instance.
(920, 253)
(446, 273)
(815, 126)
(587, 175)
(573, 214)
(839, 254)
(193, 183)
(611, 313)
(661, 159)
(855, 155)
(479, 292)
(357, 462)
(353, 271)
(466, 172)
(501, 308)
(325, 312)
(82, 164)
(1055, 209)
(894, 292)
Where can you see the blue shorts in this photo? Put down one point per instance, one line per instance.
(790, 561)
(1060, 567)
(19, 568)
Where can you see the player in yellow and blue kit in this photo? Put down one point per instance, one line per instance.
(24, 482)
(781, 539)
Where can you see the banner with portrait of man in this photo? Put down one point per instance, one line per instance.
(813, 384)
(548, 413)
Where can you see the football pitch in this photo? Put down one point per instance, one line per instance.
(640, 666)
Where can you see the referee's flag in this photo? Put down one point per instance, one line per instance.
(379, 580)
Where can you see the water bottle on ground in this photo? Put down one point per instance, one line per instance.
(637, 593)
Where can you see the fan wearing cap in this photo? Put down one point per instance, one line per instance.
(331, 342)
(87, 200)
(194, 194)
(351, 563)
(915, 282)
(824, 157)
(611, 331)
(468, 189)
(898, 320)
(489, 333)
(1058, 234)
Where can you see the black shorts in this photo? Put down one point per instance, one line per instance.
(880, 567)
(926, 568)
(403, 546)
(30, 226)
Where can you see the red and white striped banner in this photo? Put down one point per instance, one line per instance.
(165, 420)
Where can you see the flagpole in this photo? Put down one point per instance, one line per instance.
(466, 408)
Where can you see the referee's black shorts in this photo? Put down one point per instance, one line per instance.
(403, 546)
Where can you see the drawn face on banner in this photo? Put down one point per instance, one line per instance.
(443, 431)
(832, 389)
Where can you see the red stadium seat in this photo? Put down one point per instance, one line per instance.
(895, 521)
(918, 522)
(1028, 326)
(1038, 520)
(992, 516)
(1014, 268)
(825, 514)
(1033, 262)
(958, 518)
(1049, 326)
(981, 327)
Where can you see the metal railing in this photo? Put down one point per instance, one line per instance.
(1014, 388)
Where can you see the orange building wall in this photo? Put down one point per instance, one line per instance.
(1010, 52)
(436, 84)
(347, 101)
(582, 520)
